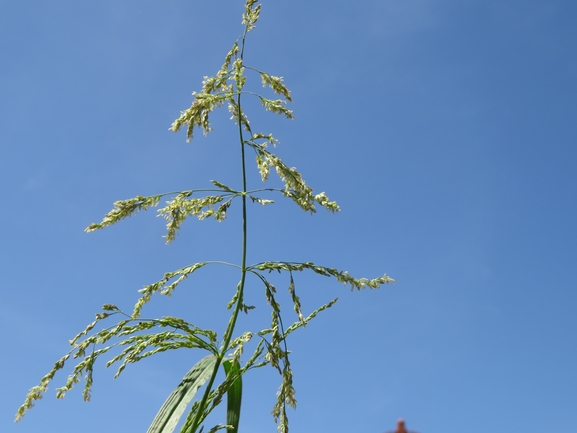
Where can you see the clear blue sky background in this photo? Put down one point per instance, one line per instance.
(446, 130)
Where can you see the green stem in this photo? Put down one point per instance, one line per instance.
(240, 290)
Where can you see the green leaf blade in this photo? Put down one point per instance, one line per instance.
(171, 411)
(234, 394)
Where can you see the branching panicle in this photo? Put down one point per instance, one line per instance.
(131, 338)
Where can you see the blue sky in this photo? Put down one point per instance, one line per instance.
(445, 130)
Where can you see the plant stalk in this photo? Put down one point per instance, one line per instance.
(240, 290)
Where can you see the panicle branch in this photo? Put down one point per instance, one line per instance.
(124, 209)
(163, 286)
(341, 276)
(181, 207)
(139, 345)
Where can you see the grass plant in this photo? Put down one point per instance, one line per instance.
(132, 338)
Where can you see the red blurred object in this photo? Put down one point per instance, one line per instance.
(401, 428)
